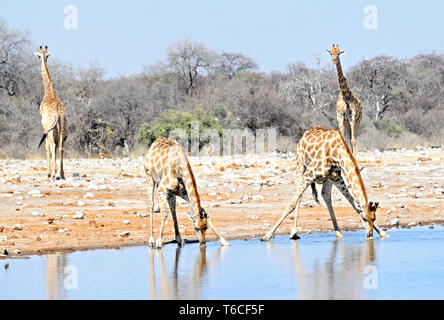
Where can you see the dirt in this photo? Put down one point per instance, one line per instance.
(408, 184)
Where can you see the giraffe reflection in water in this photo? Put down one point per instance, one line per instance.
(173, 284)
(338, 274)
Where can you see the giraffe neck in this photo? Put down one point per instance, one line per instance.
(191, 187)
(352, 176)
(341, 78)
(47, 82)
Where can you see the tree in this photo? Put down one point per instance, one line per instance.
(377, 80)
(311, 88)
(230, 64)
(14, 65)
(189, 59)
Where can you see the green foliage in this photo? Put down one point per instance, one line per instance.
(389, 127)
(172, 119)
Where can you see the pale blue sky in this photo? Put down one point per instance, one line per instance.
(123, 36)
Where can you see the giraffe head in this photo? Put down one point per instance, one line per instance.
(201, 225)
(43, 54)
(369, 215)
(335, 52)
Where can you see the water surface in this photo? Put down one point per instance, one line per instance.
(409, 265)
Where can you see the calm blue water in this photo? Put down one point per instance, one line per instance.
(409, 265)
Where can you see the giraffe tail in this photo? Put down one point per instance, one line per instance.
(56, 120)
(314, 192)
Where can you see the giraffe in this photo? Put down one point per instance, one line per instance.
(53, 116)
(323, 157)
(348, 106)
(169, 172)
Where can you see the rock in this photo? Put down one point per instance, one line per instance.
(235, 201)
(394, 222)
(258, 197)
(417, 185)
(37, 214)
(16, 251)
(63, 230)
(3, 238)
(411, 224)
(389, 212)
(142, 214)
(254, 217)
(126, 222)
(2, 228)
(88, 195)
(93, 186)
(76, 175)
(79, 215)
(80, 203)
(17, 226)
(125, 234)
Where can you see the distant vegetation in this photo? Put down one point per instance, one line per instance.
(402, 99)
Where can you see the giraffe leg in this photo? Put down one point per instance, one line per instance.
(163, 196)
(340, 184)
(302, 186)
(353, 138)
(294, 231)
(326, 195)
(61, 152)
(151, 186)
(172, 204)
(48, 157)
(52, 147)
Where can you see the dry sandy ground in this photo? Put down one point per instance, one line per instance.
(244, 197)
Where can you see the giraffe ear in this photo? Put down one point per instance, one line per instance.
(328, 51)
(343, 52)
(48, 55)
(37, 54)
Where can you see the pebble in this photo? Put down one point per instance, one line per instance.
(79, 215)
(16, 251)
(235, 201)
(258, 197)
(88, 195)
(37, 214)
(17, 226)
(125, 234)
(126, 222)
(395, 222)
(80, 203)
(142, 214)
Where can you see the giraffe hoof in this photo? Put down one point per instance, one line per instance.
(339, 235)
(158, 243)
(384, 236)
(267, 237)
(294, 236)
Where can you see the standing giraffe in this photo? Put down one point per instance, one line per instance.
(323, 157)
(168, 170)
(348, 106)
(53, 116)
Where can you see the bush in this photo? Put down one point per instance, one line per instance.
(172, 120)
(389, 127)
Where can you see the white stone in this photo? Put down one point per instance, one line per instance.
(17, 226)
(79, 215)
